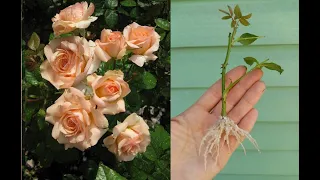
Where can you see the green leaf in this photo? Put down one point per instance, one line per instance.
(134, 13)
(250, 60)
(51, 36)
(247, 38)
(151, 154)
(230, 10)
(162, 35)
(226, 17)
(122, 11)
(133, 100)
(29, 76)
(34, 41)
(149, 80)
(111, 4)
(244, 22)
(224, 11)
(237, 12)
(247, 16)
(105, 173)
(128, 3)
(272, 66)
(163, 23)
(28, 113)
(111, 18)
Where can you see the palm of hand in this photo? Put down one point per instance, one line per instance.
(188, 129)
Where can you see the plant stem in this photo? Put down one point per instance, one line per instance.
(224, 67)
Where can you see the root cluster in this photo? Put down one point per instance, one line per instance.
(225, 127)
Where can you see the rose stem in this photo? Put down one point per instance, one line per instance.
(224, 67)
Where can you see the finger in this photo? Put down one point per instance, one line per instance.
(213, 95)
(236, 93)
(248, 101)
(248, 121)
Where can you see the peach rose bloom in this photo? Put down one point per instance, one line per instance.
(73, 17)
(109, 91)
(110, 45)
(68, 62)
(76, 122)
(129, 138)
(143, 40)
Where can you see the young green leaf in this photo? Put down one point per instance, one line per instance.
(272, 66)
(226, 17)
(250, 60)
(163, 24)
(34, 41)
(224, 11)
(237, 12)
(247, 16)
(247, 38)
(128, 3)
(244, 22)
(104, 172)
(230, 10)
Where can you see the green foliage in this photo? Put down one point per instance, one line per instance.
(150, 87)
(247, 38)
(104, 172)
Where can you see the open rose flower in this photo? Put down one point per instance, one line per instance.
(76, 122)
(73, 17)
(144, 40)
(110, 45)
(129, 138)
(109, 91)
(68, 62)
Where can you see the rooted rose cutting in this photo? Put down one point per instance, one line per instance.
(219, 134)
(78, 115)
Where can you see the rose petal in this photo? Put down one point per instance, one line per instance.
(55, 130)
(155, 44)
(96, 134)
(114, 108)
(99, 119)
(53, 113)
(82, 24)
(103, 56)
(128, 157)
(48, 74)
(119, 128)
(138, 59)
(133, 119)
(89, 11)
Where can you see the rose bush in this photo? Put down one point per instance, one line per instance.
(96, 89)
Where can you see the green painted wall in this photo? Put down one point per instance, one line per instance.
(199, 39)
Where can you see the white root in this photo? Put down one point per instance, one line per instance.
(211, 141)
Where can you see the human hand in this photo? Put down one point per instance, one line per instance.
(188, 128)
